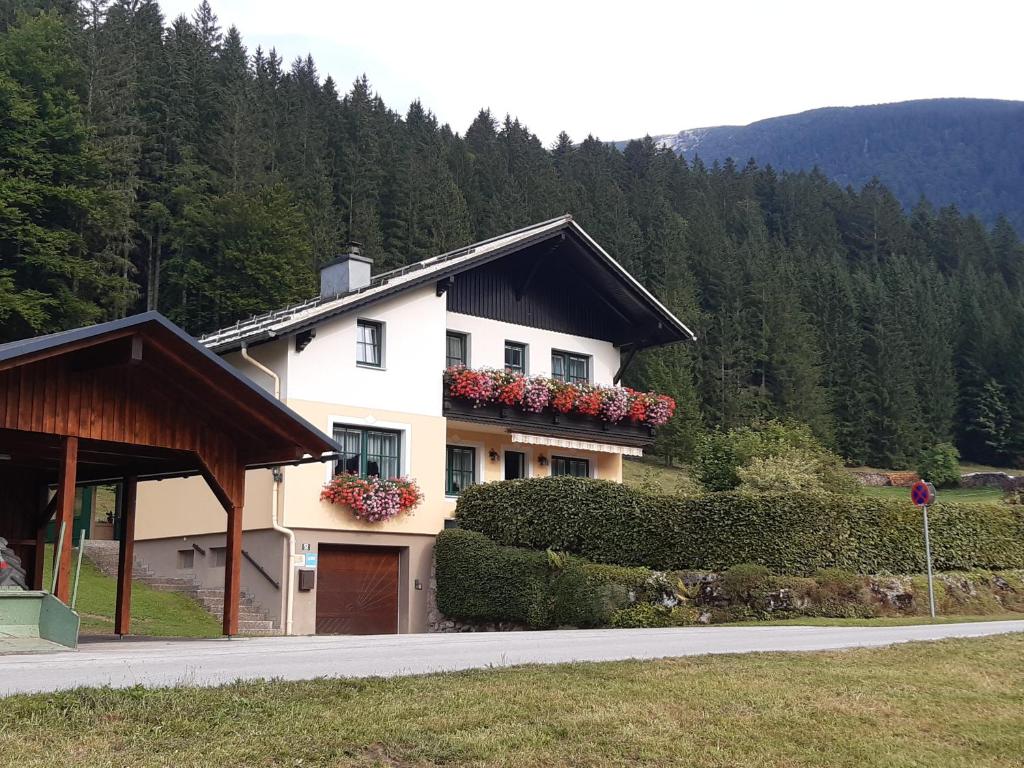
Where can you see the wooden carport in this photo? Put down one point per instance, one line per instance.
(124, 401)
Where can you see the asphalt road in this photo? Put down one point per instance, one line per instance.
(160, 663)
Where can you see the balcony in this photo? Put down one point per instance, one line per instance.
(542, 406)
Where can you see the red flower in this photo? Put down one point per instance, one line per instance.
(565, 398)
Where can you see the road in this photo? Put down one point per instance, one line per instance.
(158, 663)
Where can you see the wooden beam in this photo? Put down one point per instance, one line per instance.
(40, 556)
(118, 352)
(65, 515)
(260, 413)
(233, 557)
(538, 262)
(625, 364)
(125, 557)
(63, 349)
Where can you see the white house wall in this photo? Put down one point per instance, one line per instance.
(410, 380)
(487, 346)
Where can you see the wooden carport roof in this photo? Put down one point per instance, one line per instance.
(134, 399)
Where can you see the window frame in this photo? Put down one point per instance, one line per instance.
(522, 347)
(449, 334)
(565, 356)
(448, 472)
(504, 463)
(361, 323)
(364, 433)
(570, 460)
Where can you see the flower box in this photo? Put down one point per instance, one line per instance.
(547, 406)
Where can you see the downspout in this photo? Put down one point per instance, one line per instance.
(275, 500)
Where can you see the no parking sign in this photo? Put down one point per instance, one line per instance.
(923, 494)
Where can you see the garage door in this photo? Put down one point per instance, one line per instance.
(357, 591)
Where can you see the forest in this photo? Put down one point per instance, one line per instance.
(155, 163)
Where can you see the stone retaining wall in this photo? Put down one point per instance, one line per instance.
(992, 480)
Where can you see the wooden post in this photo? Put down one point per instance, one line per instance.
(39, 560)
(66, 515)
(125, 557)
(233, 559)
(40, 556)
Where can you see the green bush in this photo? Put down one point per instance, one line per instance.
(481, 581)
(745, 581)
(790, 533)
(477, 580)
(794, 470)
(716, 461)
(940, 465)
(769, 456)
(642, 616)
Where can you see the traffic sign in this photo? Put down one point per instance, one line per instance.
(922, 493)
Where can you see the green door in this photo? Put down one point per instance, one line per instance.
(83, 514)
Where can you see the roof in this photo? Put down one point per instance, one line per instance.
(187, 349)
(307, 314)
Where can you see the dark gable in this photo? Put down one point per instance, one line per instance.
(561, 285)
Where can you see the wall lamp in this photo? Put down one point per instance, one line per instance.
(542, 460)
(493, 454)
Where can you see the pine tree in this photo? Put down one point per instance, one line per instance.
(50, 192)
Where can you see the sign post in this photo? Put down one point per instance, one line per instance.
(923, 494)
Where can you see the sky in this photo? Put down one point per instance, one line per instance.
(623, 70)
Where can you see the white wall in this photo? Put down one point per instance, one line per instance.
(272, 354)
(410, 380)
(487, 346)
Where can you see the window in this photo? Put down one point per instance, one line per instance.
(564, 465)
(570, 367)
(219, 556)
(369, 343)
(460, 469)
(186, 559)
(515, 357)
(368, 452)
(515, 465)
(456, 349)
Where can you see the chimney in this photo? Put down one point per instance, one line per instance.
(348, 272)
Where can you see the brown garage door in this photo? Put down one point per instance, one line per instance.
(357, 591)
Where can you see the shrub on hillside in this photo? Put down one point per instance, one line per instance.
(794, 470)
(940, 465)
(790, 533)
(769, 456)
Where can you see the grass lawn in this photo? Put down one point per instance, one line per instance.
(958, 495)
(155, 613)
(652, 474)
(954, 703)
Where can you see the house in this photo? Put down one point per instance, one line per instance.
(364, 361)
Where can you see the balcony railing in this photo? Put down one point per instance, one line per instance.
(545, 406)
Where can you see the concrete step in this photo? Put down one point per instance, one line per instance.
(170, 586)
(217, 603)
(264, 625)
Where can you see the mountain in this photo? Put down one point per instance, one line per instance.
(965, 152)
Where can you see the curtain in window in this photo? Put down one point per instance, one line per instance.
(351, 458)
(368, 343)
(456, 351)
(382, 454)
(461, 470)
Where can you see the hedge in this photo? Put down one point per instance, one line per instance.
(790, 533)
(481, 581)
